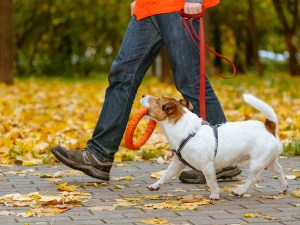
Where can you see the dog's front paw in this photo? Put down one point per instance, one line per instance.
(239, 192)
(153, 187)
(214, 196)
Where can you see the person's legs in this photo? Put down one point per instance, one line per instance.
(184, 59)
(185, 62)
(140, 46)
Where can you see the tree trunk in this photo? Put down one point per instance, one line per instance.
(6, 42)
(290, 32)
(254, 38)
(294, 66)
(217, 43)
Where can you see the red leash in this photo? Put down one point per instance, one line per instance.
(201, 46)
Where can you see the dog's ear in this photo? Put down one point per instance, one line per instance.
(186, 104)
(169, 108)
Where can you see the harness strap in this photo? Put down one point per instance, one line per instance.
(186, 140)
(181, 146)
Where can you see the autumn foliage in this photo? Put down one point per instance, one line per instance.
(38, 114)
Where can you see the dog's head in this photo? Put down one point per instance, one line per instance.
(165, 108)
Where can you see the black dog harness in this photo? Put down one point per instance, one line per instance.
(186, 140)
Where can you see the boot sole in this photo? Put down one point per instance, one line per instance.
(88, 170)
(225, 174)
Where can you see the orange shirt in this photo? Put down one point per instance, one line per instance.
(146, 8)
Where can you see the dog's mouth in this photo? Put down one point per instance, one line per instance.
(145, 102)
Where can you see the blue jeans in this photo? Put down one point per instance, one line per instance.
(142, 43)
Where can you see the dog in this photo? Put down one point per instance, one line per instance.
(235, 142)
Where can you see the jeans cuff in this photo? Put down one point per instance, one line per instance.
(99, 153)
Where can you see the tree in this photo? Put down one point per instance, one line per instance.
(252, 29)
(6, 42)
(290, 30)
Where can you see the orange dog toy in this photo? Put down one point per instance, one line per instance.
(132, 124)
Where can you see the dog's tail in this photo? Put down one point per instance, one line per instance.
(271, 121)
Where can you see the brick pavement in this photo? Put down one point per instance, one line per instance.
(229, 210)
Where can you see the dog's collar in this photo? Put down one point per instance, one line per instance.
(186, 140)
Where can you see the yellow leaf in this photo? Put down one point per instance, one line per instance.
(49, 211)
(64, 187)
(95, 184)
(290, 177)
(250, 215)
(126, 178)
(297, 175)
(272, 197)
(28, 163)
(296, 194)
(151, 197)
(154, 221)
(157, 175)
(118, 186)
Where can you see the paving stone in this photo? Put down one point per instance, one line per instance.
(228, 210)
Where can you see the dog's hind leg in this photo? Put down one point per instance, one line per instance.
(276, 168)
(255, 169)
(173, 169)
(211, 181)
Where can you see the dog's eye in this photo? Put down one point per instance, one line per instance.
(157, 101)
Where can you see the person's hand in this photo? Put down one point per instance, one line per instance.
(192, 8)
(132, 6)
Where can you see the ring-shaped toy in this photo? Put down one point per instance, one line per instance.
(132, 124)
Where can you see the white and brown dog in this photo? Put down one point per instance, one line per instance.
(237, 142)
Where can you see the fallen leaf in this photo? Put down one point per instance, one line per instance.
(296, 194)
(250, 215)
(65, 187)
(95, 184)
(41, 204)
(72, 172)
(32, 162)
(51, 175)
(151, 197)
(120, 164)
(256, 215)
(154, 221)
(157, 175)
(290, 177)
(118, 186)
(272, 196)
(126, 178)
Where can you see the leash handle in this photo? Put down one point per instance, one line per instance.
(193, 16)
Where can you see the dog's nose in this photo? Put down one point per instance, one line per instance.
(143, 96)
